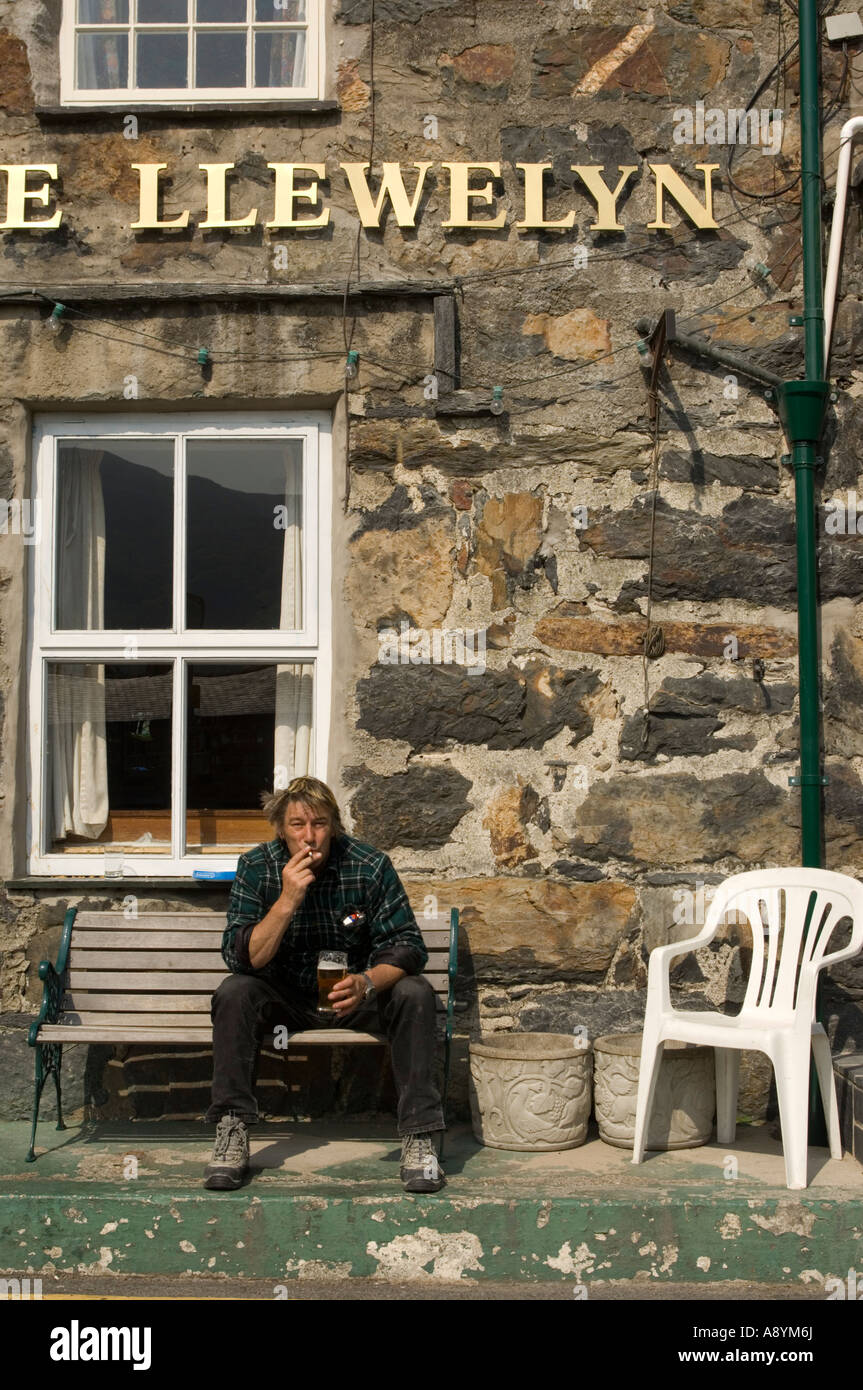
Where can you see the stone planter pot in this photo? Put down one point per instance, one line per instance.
(530, 1091)
(685, 1102)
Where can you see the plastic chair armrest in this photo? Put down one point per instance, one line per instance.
(852, 949)
(662, 956)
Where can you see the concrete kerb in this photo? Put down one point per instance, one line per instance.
(324, 1202)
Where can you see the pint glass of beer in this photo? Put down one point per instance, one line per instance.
(332, 967)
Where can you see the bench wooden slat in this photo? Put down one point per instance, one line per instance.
(115, 1002)
(435, 931)
(57, 1033)
(334, 1035)
(168, 921)
(76, 1020)
(118, 1027)
(166, 980)
(147, 960)
(157, 1005)
(171, 982)
(179, 941)
(148, 940)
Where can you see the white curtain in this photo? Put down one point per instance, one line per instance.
(102, 58)
(293, 739)
(287, 65)
(78, 754)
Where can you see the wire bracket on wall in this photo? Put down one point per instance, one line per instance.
(654, 638)
(663, 333)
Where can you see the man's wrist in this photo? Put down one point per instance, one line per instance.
(287, 906)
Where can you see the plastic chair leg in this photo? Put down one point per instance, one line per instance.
(791, 1069)
(651, 1059)
(727, 1082)
(827, 1086)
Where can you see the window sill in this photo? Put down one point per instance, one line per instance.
(190, 109)
(27, 885)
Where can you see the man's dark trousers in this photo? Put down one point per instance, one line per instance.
(245, 1008)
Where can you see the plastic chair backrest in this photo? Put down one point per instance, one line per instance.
(792, 914)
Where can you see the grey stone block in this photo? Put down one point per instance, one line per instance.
(17, 1067)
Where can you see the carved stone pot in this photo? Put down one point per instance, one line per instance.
(685, 1101)
(530, 1090)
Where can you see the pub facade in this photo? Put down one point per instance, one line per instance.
(330, 443)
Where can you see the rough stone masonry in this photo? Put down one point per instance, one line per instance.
(569, 799)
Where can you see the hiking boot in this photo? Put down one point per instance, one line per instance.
(230, 1155)
(420, 1169)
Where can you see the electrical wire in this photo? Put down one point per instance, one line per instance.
(787, 187)
(355, 258)
(553, 375)
(483, 276)
(397, 368)
(459, 282)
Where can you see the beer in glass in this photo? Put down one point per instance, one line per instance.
(332, 967)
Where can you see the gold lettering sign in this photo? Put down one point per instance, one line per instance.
(604, 197)
(468, 194)
(287, 193)
(392, 187)
(667, 181)
(148, 207)
(18, 195)
(534, 198)
(461, 195)
(217, 199)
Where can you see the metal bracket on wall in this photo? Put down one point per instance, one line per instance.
(656, 343)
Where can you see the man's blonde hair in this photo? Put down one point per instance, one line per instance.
(310, 792)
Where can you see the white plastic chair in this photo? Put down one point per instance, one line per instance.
(778, 1013)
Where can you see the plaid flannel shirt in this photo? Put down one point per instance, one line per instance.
(355, 876)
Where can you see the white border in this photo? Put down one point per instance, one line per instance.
(44, 643)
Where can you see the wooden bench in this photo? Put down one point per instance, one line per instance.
(150, 979)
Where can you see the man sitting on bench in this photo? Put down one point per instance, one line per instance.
(292, 898)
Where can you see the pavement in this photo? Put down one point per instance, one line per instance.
(323, 1205)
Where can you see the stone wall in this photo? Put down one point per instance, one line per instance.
(534, 794)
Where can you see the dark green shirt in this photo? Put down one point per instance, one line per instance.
(355, 876)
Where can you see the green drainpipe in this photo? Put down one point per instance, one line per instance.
(802, 407)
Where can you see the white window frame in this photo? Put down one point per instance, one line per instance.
(71, 95)
(175, 646)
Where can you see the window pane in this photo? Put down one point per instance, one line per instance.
(115, 507)
(103, 61)
(244, 534)
(277, 11)
(248, 726)
(108, 757)
(220, 11)
(280, 59)
(163, 60)
(163, 12)
(103, 11)
(220, 59)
